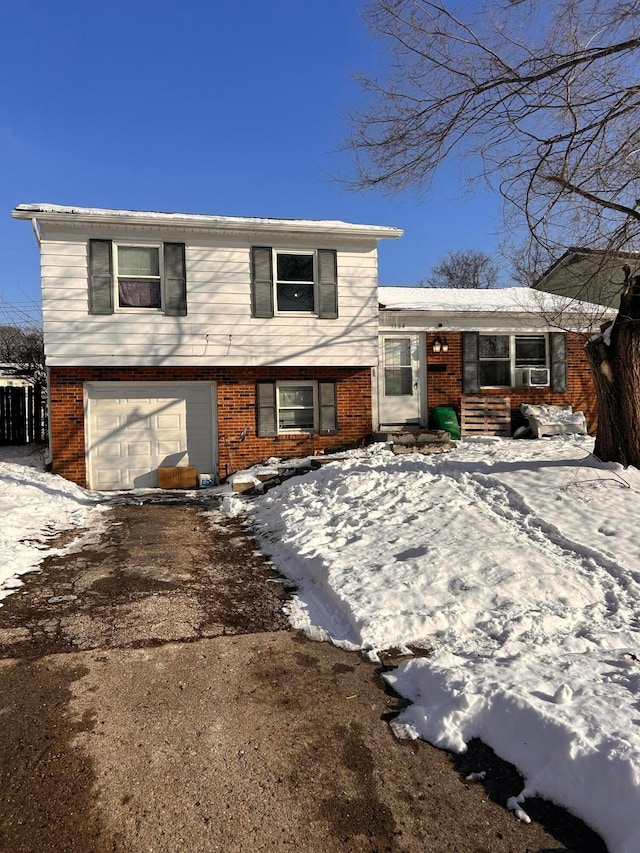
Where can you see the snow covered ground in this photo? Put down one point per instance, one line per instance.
(516, 562)
(34, 507)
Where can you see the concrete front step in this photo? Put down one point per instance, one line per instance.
(417, 441)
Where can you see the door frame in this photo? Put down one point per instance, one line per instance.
(420, 378)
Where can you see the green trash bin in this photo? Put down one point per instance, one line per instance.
(444, 417)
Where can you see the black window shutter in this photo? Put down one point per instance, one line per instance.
(328, 407)
(470, 358)
(559, 377)
(175, 280)
(266, 409)
(100, 277)
(261, 282)
(327, 284)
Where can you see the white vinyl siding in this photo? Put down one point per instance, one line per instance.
(218, 329)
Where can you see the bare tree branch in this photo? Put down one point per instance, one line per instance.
(542, 98)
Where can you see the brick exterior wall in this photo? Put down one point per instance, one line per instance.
(236, 411)
(445, 389)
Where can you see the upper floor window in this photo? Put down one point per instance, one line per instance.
(295, 281)
(285, 281)
(137, 276)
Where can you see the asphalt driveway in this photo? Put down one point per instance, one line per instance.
(154, 698)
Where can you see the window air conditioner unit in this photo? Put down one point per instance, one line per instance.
(531, 377)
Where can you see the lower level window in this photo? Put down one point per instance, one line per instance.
(513, 360)
(296, 406)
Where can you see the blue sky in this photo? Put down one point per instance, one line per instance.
(203, 107)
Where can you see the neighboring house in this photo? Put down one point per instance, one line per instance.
(437, 345)
(590, 275)
(11, 377)
(209, 341)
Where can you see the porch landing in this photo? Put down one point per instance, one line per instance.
(417, 440)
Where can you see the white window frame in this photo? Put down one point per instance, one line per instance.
(292, 383)
(512, 356)
(284, 313)
(116, 276)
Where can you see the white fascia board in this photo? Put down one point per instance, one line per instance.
(483, 321)
(202, 222)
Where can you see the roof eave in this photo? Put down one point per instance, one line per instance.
(248, 226)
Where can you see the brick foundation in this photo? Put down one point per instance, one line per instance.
(236, 411)
(445, 389)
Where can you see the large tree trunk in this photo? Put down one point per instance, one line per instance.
(615, 365)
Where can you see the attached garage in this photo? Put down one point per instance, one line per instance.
(132, 429)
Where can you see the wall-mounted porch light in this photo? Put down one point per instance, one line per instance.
(440, 344)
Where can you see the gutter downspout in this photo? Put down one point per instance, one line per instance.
(49, 452)
(36, 230)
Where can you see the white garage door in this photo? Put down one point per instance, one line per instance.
(135, 428)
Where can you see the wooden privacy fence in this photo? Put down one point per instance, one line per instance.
(22, 415)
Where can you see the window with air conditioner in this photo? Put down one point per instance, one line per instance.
(508, 361)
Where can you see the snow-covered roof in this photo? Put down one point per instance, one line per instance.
(61, 213)
(507, 300)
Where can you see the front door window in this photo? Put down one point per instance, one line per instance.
(398, 369)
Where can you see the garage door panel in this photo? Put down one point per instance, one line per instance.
(137, 420)
(109, 449)
(151, 426)
(107, 422)
(138, 448)
(164, 448)
(142, 478)
(169, 422)
(106, 479)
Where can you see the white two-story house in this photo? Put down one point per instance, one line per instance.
(205, 341)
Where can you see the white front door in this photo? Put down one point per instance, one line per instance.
(400, 392)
